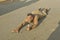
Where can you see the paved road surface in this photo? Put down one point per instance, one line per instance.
(9, 6)
(49, 28)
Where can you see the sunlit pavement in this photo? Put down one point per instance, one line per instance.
(12, 14)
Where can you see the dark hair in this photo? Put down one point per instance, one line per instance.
(29, 14)
(41, 9)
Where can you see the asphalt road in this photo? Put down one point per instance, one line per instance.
(48, 29)
(9, 6)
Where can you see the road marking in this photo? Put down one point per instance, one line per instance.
(28, 0)
(22, 0)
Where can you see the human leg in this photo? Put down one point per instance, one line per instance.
(29, 26)
(35, 21)
(19, 27)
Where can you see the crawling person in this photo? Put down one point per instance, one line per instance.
(32, 19)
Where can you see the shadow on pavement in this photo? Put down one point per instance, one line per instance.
(40, 20)
(8, 7)
(56, 34)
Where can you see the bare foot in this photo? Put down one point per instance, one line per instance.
(28, 28)
(15, 30)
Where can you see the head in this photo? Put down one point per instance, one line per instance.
(46, 10)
